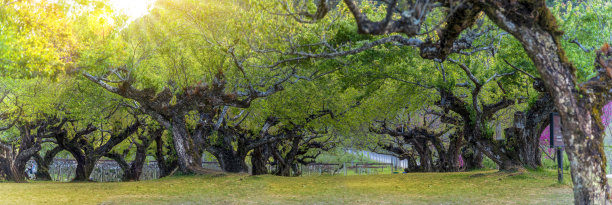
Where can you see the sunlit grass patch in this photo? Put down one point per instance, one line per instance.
(489, 187)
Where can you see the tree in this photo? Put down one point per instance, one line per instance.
(133, 170)
(177, 101)
(532, 24)
(421, 137)
(83, 146)
(165, 155)
(26, 124)
(17, 153)
(44, 162)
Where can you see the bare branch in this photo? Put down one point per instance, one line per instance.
(586, 50)
(497, 75)
(467, 71)
(520, 70)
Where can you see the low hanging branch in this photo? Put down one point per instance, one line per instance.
(410, 141)
(586, 50)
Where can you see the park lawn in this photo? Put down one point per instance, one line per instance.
(478, 187)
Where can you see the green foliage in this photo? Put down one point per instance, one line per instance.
(488, 164)
(588, 23)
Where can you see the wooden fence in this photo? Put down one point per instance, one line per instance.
(353, 168)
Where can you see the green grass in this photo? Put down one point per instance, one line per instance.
(480, 187)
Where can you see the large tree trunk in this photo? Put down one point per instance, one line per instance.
(475, 118)
(230, 160)
(13, 164)
(523, 145)
(283, 170)
(259, 160)
(14, 170)
(524, 136)
(85, 167)
(412, 165)
(133, 170)
(284, 162)
(136, 166)
(188, 152)
(17, 171)
(472, 158)
(493, 150)
(449, 158)
(426, 159)
(424, 151)
(535, 27)
(231, 151)
(42, 172)
(166, 161)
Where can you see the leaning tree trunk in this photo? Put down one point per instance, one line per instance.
(536, 28)
(188, 152)
(42, 172)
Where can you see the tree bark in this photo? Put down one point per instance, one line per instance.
(284, 162)
(230, 160)
(13, 162)
(259, 160)
(189, 154)
(523, 137)
(133, 170)
(166, 160)
(14, 170)
(448, 159)
(42, 173)
(136, 166)
(423, 149)
(472, 158)
(85, 166)
(535, 27)
(82, 149)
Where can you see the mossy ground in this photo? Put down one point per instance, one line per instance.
(478, 187)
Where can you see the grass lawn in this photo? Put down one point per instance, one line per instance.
(479, 187)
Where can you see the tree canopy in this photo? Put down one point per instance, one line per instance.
(257, 83)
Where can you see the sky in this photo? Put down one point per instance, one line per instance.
(133, 8)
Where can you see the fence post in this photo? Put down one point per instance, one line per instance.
(345, 169)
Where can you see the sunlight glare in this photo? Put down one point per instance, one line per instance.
(133, 8)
